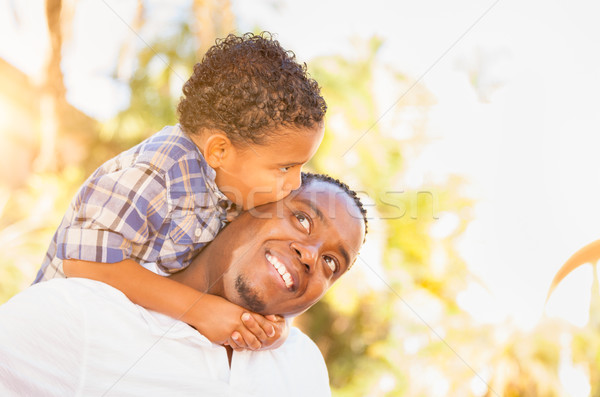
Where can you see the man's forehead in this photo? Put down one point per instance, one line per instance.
(315, 192)
(324, 198)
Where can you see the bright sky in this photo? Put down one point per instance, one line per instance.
(528, 149)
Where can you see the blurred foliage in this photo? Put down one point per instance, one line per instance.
(392, 327)
(155, 87)
(368, 154)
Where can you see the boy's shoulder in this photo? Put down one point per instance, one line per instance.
(169, 151)
(166, 147)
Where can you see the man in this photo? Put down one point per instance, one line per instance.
(81, 337)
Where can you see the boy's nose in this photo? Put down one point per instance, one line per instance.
(293, 181)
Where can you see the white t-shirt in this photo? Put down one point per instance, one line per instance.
(78, 337)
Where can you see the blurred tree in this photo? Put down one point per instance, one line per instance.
(155, 87)
(58, 137)
(53, 88)
(65, 132)
(161, 70)
(69, 145)
(213, 19)
(586, 341)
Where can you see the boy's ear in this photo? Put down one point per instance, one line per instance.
(216, 149)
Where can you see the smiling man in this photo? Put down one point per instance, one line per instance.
(278, 259)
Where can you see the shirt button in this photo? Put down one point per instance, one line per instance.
(198, 232)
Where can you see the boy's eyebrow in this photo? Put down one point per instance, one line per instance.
(289, 164)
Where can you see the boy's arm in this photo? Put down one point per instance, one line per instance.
(214, 317)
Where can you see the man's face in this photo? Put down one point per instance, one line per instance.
(283, 256)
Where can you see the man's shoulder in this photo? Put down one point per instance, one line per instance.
(299, 344)
(297, 338)
(277, 369)
(73, 289)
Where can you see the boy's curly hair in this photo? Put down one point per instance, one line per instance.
(247, 86)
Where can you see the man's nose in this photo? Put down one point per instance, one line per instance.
(307, 253)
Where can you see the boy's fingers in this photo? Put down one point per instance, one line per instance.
(270, 324)
(233, 343)
(274, 318)
(260, 328)
(251, 341)
(269, 330)
(237, 338)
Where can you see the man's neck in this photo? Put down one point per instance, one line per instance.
(196, 275)
(205, 273)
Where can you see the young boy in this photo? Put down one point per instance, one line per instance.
(250, 118)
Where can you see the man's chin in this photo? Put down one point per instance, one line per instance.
(249, 298)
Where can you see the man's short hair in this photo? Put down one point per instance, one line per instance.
(247, 86)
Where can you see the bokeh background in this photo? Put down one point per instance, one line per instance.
(471, 129)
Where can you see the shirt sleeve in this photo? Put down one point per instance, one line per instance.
(41, 343)
(113, 211)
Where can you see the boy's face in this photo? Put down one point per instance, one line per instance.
(258, 174)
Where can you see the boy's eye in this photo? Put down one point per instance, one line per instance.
(304, 221)
(284, 169)
(331, 263)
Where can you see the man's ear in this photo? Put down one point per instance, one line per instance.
(216, 149)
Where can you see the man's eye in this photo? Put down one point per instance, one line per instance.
(303, 221)
(331, 263)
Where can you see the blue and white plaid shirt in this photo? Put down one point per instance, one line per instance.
(156, 202)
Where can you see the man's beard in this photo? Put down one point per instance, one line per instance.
(250, 298)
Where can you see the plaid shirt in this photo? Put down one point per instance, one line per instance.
(156, 202)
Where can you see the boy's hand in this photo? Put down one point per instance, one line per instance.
(270, 330)
(216, 318)
(223, 322)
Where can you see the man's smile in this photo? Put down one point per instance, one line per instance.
(282, 269)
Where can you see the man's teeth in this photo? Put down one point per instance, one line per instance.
(281, 269)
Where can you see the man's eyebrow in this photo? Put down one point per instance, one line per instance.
(344, 254)
(315, 209)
